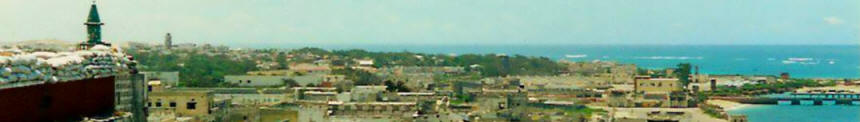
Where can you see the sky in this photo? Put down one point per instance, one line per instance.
(443, 22)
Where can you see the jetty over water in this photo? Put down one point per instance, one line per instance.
(809, 98)
(820, 98)
(824, 96)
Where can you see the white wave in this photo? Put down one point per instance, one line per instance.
(576, 56)
(809, 63)
(831, 61)
(801, 59)
(669, 57)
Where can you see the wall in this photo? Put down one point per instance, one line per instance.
(181, 98)
(658, 85)
(253, 80)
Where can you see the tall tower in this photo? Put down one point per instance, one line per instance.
(506, 65)
(94, 29)
(168, 43)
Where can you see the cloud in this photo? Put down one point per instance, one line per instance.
(833, 20)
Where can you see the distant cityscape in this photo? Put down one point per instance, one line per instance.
(97, 81)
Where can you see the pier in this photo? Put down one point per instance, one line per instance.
(801, 99)
(820, 99)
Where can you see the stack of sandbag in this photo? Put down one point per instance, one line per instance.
(68, 67)
(5, 71)
(98, 61)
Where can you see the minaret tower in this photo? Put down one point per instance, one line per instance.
(168, 43)
(94, 29)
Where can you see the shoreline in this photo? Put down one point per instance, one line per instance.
(729, 105)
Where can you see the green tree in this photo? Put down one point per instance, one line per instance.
(281, 58)
(683, 73)
(290, 83)
(360, 77)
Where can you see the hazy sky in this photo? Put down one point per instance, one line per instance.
(267, 22)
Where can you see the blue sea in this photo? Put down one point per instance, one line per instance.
(800, 113)
(807, 61)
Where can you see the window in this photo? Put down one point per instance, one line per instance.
(158, 104)
(149, 88)
(191, 105)
(172, 104)
(148, 104)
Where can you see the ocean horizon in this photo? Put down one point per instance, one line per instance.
(804, 61)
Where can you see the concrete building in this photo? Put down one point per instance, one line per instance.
(250, 96)
(320, 96)
(167, 78)
(563, 82)
(364, 62)
(256, 80)
(333, 78)
(192, 104)
(738, 118)
(263, 114)
(702, 82)
(417, 96)
(507, 104)
(618, 98)
(334, 111)
(309, 68)
(275, 78)
(657, 85)
(130, 95)
(659, 92)
(366, 93)
(313, 93)
(653, 116)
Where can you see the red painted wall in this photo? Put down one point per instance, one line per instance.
(57, 101)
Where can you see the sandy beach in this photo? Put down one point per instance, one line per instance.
(727, 105)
